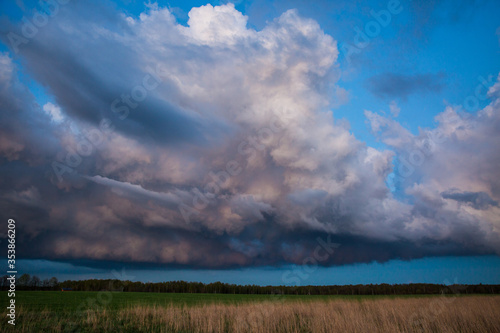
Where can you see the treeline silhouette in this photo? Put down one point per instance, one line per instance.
(26, 282)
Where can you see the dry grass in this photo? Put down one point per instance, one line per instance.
(434, 314)
(469, 314)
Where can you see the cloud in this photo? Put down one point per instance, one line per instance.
(54, 112)
(448, 171)
(26, 132)
(393, 85)
(389, 130)
(395, 110)
(219, 149)
(478, 200)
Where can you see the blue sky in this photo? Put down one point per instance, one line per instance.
(442, 270)
(260, 135)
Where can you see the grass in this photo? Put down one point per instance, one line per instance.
(152, 312)
(111, 301)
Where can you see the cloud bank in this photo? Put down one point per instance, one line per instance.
(214, 145)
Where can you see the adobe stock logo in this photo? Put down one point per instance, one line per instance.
(371, 29)
(29, 29)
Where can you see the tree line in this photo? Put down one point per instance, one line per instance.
(27, 282)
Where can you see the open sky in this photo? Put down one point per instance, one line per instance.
(266, 141)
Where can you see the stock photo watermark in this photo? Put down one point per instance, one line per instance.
(372, 29)
(93, 305)
(294, 277)
(437, 306)
(407, 165)
(249, 148)
(11, 271)
(31, 26)
(90, 140)
(309, 265)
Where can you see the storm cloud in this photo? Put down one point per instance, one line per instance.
(214, 145)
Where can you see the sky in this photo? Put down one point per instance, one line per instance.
(254, 142)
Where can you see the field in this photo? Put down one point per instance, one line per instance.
(152, 312)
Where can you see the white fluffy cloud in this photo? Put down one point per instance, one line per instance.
(450, 172)
(54, 112)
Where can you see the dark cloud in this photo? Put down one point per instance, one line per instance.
(392, 85)
(232, 160)
(87, 81)
(478, 200)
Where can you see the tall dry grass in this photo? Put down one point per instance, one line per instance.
(426, 314)
(439, 314)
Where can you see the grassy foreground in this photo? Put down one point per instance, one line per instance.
(149, 312)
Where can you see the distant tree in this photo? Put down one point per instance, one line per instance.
(3, 281)
(24, 280)
(34, 282)
(225, 288)
(53, 282)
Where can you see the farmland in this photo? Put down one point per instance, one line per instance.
(159, 312)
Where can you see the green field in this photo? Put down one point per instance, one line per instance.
(82, 300)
